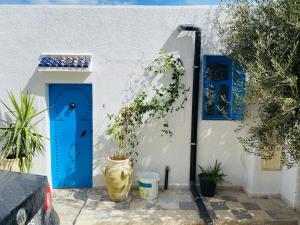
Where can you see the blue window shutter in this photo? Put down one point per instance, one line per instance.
(238, 92)
(217, 88)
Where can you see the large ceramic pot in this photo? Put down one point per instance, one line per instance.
(207, 186)
(9, 164)
(118, 175)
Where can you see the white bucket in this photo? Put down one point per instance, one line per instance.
(148, 185)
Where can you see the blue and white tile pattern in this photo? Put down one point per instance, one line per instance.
(65, 61)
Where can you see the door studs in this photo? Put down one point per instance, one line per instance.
(72, 105)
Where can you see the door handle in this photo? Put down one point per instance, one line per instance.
(83, 133)
(72, 105)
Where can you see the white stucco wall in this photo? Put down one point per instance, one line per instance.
(297, 203)
(289, 185)
(123, 40)
(217, 140)
(259, 182)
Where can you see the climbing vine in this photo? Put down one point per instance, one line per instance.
(125, 125)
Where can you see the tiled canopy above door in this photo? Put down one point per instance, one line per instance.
(65, 62)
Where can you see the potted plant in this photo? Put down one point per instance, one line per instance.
(209, 178)
(19, 137)
(118, 171)
(124, 126)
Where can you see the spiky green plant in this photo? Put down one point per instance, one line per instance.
(20, 137)
(213, 173)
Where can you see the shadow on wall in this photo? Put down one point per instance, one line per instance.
(155, 151)
(38, 81)
(218, 140)
(38, 85)
(210, 37)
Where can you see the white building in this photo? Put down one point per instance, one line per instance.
(123, 40)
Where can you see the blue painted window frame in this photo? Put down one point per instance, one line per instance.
(233, 113)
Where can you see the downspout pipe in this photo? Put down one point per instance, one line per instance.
(194, 121)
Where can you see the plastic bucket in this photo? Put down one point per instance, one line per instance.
(148, 185)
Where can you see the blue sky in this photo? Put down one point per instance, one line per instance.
(113, 2)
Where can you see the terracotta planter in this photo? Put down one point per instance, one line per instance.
(118, 175)
(9, 164)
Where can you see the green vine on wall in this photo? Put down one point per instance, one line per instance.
(125, 125)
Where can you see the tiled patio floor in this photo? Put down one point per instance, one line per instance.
(174, 207)
(235, 207)
(93, 207)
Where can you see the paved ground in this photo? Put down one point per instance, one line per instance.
(93, 207)
(235, 207)
(174, 207)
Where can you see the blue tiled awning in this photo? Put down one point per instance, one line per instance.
(65, 61)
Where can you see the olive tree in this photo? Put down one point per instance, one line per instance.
(263, 36)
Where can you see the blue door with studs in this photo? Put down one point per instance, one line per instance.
(71, 135)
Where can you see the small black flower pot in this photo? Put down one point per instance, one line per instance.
(207, 186)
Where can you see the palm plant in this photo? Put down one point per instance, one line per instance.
(20, 138)
(213, 173)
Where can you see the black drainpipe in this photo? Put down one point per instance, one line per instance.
(194, 122)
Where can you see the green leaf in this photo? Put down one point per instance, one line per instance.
(19, 136)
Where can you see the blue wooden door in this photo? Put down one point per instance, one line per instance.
(71, 135)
